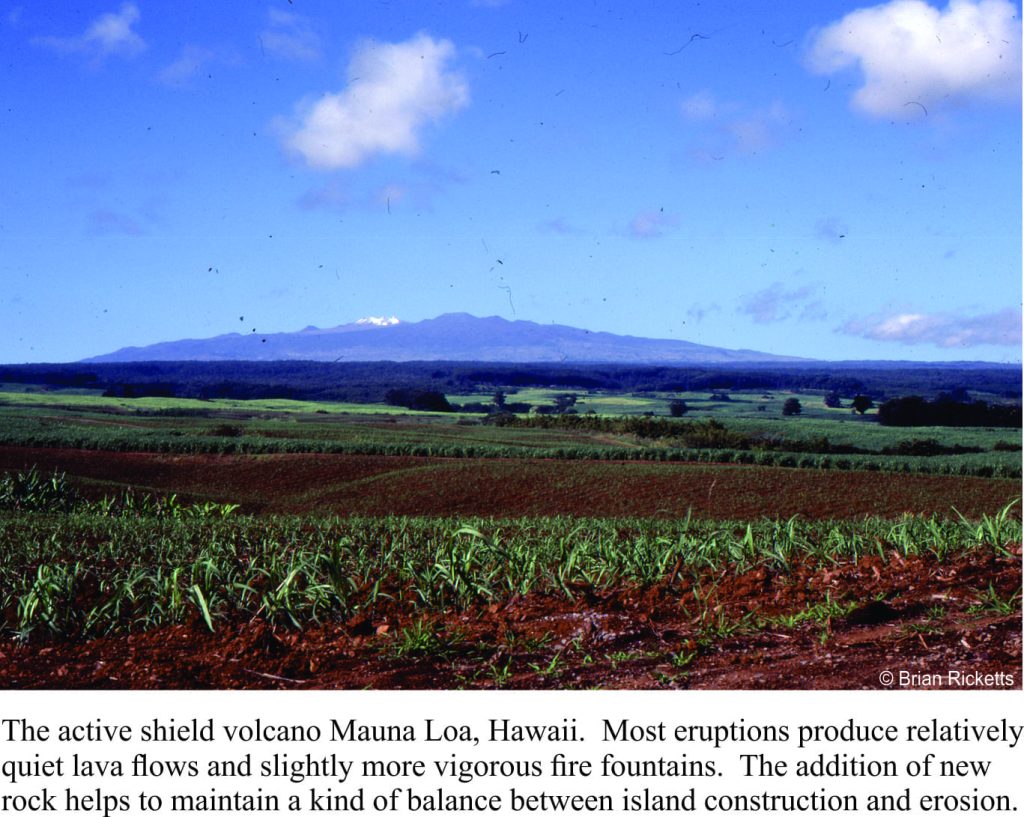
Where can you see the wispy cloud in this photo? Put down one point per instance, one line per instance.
(831, 228)
(417, 189)
(733, 128)
(394, 91)
(192, 60)
(652, 224)
(110, 34)
(776, 303)
(944, 329)
(290, 36)
(700, 107)
(329, 196)
(561, 226)
(699, 311)
(917, 59)
(108, 222)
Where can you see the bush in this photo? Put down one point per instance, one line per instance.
(677, 408)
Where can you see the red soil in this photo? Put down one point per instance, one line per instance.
(925, 620)
(379, 485)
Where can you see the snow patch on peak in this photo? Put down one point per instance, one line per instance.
(373, 320)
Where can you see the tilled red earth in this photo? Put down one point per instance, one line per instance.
(430, 486)
(915, 616)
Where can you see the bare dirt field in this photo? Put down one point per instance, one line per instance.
(386, 485)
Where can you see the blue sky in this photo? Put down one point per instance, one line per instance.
(829, 179)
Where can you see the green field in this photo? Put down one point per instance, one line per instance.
(90, 421)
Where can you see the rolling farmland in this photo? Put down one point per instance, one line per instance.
(295, 546)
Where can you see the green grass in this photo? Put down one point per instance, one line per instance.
(73, 419)
(221, 431)
(84, 399)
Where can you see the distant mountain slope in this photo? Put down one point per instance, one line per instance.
(455, 336)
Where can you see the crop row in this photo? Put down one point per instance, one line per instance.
(991, 464)
(116, 567)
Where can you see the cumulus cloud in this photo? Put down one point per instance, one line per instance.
(944, 329)
(394, 91)
(652, 224)
(776, 303)
(916, 58)
(290, 37)
(110, 34)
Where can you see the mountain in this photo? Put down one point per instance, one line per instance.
(455, 336)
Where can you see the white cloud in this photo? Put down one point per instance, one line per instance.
(394, 91)
(917, 59)
(700, 106)
(290, 37)
(944, 329)
(109, 34)
(729, 128)
(191, 61)
(758, 130)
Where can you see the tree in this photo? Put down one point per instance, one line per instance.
(564, 402)
(499, 400)
(862, 403)
(791, 406)
(418, 399)
(832, 400)
(677, 408)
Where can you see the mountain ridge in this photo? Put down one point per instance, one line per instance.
(455, 336)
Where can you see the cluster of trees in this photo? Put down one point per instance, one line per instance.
(945, 411)
(418, 399)
(369, 381)
(860, 402)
